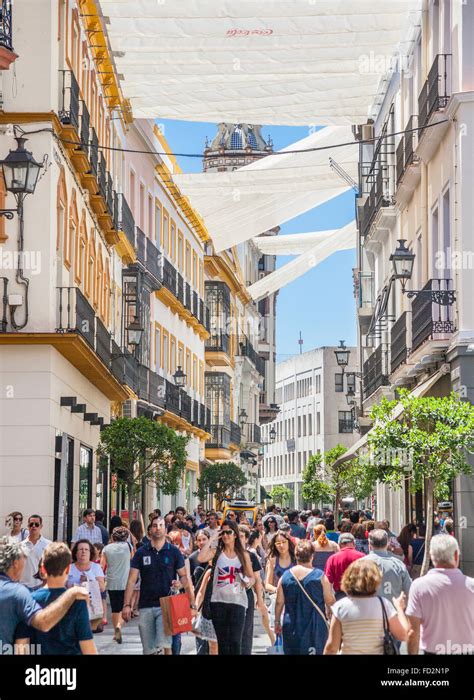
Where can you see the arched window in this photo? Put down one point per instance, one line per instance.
(98, 298)
(61, 210)
(106, 303)
(70, 237)
(81, 250)
(90, 288)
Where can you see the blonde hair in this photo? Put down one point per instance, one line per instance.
(320, 535)
(361, 578)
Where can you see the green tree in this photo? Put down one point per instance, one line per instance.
(140, 450)
(325, 478)
(281, 494)
(427, 444)
(221, 479)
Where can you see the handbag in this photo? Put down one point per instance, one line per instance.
(390, 647)
(315, 605)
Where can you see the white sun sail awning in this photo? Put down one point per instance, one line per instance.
(279, 62)
(242, 204)
(291, 244)
(342, 239)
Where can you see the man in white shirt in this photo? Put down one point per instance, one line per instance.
(88, 530)
(33, 546)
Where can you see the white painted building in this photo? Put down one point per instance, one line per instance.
(314, 416)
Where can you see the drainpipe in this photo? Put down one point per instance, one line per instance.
(3, 322)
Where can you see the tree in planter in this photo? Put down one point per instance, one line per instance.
(333, 481)
(220, 479)
(140, 450)
(427, 445)
(281, 494)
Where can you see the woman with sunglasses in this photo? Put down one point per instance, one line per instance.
(14, 523)
(230, 576)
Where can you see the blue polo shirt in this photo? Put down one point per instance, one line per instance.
(158, 569)
(65, 636)
(16, 605)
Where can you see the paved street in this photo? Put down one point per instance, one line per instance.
(131, 640)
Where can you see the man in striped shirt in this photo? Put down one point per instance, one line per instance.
(88, 530)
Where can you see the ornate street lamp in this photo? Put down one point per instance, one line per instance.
(350, 397)
(272, 435)
(134, 332)
(342, 355)
(243, 418)
(179, 377)
(403, 260)
(20, 173)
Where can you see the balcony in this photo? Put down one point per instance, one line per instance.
(169, 276)
(430, 320)
(408, 162)
(177, 294)
(374, 375)
(81, 141)
(252, 434)
(398, 343)
(92, 355)
(220, 437)
(7, 55)
(434, 98)
(246, 349)
(364, 289)
(153, 261)
(217, 349)
(141, 246)
(235, 433)
(124, 223)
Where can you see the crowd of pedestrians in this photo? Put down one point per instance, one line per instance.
(319, 585)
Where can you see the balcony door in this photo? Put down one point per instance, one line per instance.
(85, 479)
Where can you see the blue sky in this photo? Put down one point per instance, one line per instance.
(320, 304)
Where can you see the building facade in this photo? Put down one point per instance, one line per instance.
(314, 416)
(418, 186)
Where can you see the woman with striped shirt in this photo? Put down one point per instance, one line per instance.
(357, 621)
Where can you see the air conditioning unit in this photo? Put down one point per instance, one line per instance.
(367, 131)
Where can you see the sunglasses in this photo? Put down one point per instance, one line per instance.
(34, 524)
(227, 532)
(20, 519)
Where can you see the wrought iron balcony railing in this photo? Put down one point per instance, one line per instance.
(123, 218)
(235, 433)
(221, 436)
(436, 91)
(6, 25)
(153, 260)
(169, 276)
(69, 99)
(218, 341)
(85, 128)
(94, 152)
(247, 350)
(374, 374)
(186, 410)
(398, 343)
(428, 317)
(172, 397)
(406, 148)
(102, 176)
(141, 246)
(252, 434)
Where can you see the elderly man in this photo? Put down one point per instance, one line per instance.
(16, 603)
(395, 576)
(338, 562)
(440, 606)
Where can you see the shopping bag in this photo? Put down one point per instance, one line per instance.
(176, 611)
(277, 648)
(95, 607)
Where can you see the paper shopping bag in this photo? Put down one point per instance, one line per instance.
(176, 613)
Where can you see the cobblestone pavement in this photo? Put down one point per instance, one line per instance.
(131, 640)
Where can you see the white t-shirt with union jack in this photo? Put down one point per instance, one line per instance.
(227, 585)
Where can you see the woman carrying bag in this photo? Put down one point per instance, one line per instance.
(306, 595)
(230, 575)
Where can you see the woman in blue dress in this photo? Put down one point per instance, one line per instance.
(306, 595)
